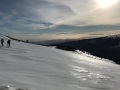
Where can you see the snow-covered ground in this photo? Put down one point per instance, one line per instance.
(37, 67)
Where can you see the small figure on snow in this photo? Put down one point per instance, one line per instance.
(8, 43)
(27, 41)
(2, 41)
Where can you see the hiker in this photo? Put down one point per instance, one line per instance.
(27, 41)
(8, 43)
(2, 41)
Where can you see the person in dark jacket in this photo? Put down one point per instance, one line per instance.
(2, 41)
(8, 43)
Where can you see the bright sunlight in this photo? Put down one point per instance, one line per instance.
(106, 3)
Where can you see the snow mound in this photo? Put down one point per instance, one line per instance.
(4, 87)
(10, 88)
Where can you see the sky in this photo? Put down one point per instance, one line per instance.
(39, 20)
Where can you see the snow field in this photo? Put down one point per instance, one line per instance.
(37, 67)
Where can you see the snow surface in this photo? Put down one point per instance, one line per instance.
(37, 67)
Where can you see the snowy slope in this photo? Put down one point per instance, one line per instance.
(43, 68)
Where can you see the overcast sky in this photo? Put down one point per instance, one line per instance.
(58, 19)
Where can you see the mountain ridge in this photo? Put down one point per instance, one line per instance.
(105, 47)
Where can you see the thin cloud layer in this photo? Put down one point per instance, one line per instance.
(64, 35)
(18, 12)
(90, 13)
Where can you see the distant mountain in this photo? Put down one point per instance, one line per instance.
(106, 47)
(49, 42)
(56, 41)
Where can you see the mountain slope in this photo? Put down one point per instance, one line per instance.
(105, 47)
(37, 67)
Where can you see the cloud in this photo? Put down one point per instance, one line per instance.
(65, 33)
(58, 12)
(88, 12)
(8, 31)
(18, 12)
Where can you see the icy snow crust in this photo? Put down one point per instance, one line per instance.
(36, 67)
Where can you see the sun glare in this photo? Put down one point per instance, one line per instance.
(106, 3)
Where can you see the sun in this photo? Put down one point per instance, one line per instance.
(106, 3)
